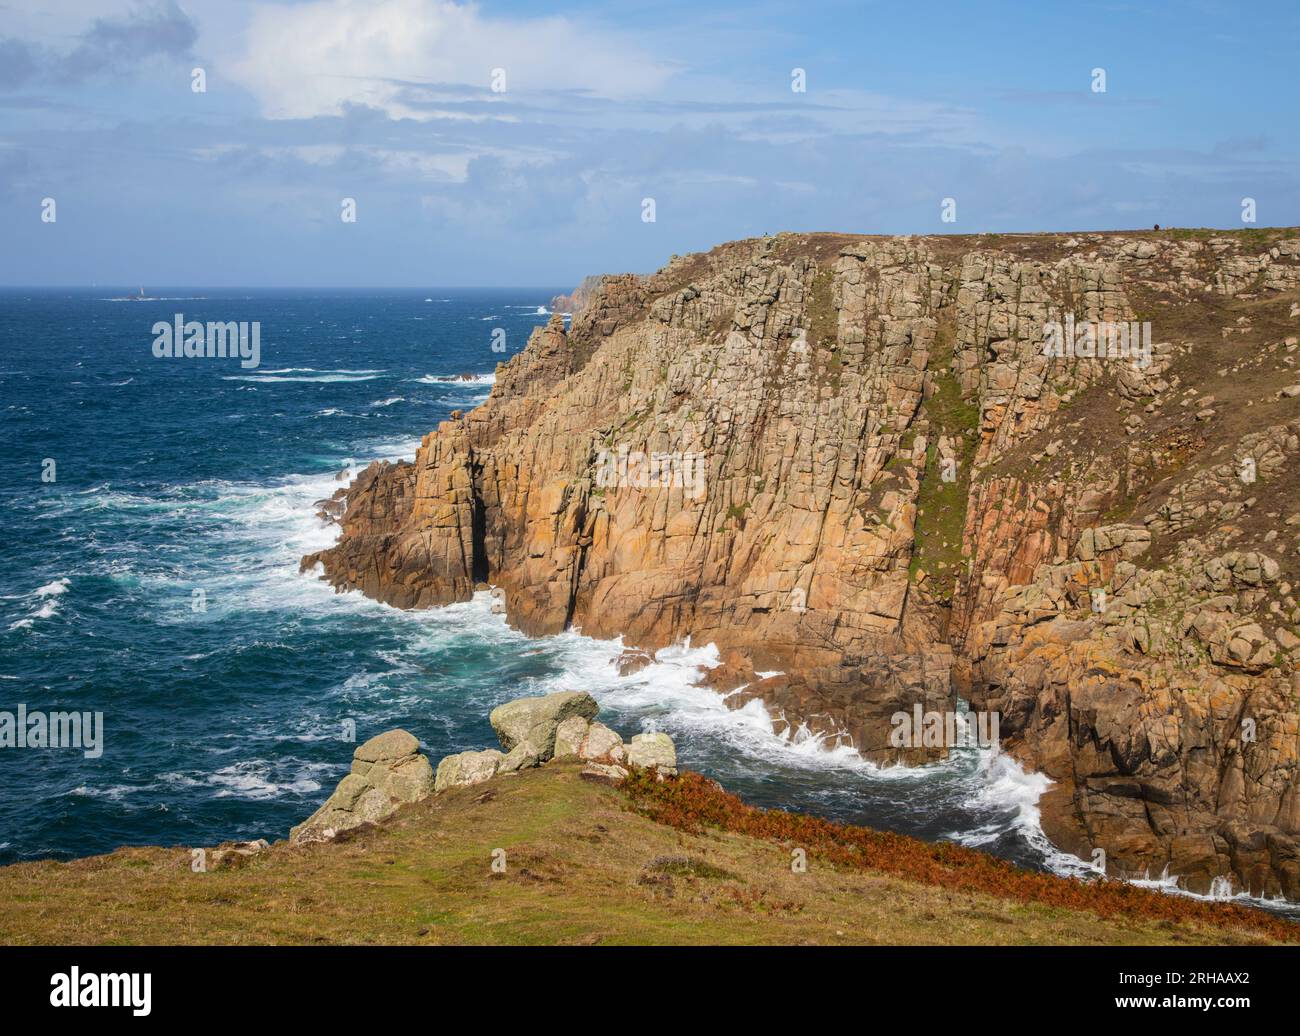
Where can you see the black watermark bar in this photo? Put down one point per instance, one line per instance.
(143, 985)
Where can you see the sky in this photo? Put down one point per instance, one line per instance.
(517, 143)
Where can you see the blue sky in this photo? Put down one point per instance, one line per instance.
(390, 102)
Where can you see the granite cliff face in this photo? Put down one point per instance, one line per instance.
(855, 461)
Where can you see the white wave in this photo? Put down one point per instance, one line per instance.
(389, 401)
(1221, 891)
(1005, 785)
(248, 780)
(261, 530)
(56, 588)
(113, 793)
(323, 378)
(666, 695)
(45, 603)
(460, 402)
(157, 298)
(323, 370)
(455, 380)
(254, 779)
(1009, 785)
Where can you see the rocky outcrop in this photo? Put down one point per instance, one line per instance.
(558, 726)
(859, 462)
(466, 768)
(535, 721)
(387, 771)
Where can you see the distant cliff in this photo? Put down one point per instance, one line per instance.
(896, 471)
(581, 294)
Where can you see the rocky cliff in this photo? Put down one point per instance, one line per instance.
(896, 470)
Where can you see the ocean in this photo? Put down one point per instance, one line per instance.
(155, 580)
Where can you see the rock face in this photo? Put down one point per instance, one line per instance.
(387, 771)
(863, 463)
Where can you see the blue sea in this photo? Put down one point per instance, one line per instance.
(156, 580)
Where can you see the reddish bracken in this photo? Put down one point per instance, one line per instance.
(692, 803)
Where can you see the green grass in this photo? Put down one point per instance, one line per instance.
(941, 506)
(1260, 237)
(581, 867)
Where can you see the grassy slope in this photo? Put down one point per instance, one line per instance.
(582, 867)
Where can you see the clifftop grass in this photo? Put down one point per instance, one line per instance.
(584, 864)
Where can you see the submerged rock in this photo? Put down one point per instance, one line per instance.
(633, 660)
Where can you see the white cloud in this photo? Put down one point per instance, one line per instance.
(312, 59)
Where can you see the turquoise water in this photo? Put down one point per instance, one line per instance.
(177, 476)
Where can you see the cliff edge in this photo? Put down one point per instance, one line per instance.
(1047, 473)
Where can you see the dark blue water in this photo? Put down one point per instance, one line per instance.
(179, 479)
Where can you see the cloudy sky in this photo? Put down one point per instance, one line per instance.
(513, 143)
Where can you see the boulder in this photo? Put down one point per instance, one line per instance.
(465, 768)
(653, 751)
(522, 757)
(537, 719)
(387, 771)
(603, 773)
(569, 736)
(229, 855)
(600, 743)
(1245, 647)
